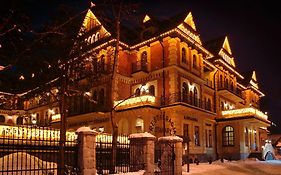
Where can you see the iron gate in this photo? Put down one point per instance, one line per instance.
(164, 158)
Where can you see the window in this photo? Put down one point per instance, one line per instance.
(206, 138)
(184, 92)
(246, 137)
(209, 104)
(196, 136)
(102, 64)
(95, 96)
(210, 139)
(151, 90)
(228, 136)
(183, 55)
(185, 131)
(194, 61)
(221, 82)
(137, 92)
(2, 119)
(231, 86)
(101, 97)
(195, 96)
(20, 120)
(144, 60)
(222, 106)
(139, 125)
(226, 83)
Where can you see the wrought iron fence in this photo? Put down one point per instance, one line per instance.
(35, 150)
(104, 154)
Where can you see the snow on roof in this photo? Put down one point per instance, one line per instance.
(141, 135)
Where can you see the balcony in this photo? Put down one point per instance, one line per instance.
(230, 93)
(139, 68)
(142, 100)
(245, 112)
(185, 98)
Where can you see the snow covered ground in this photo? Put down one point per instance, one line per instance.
(241, 167)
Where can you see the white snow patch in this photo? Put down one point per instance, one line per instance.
(170, 138)
(141, 135)
(85, 129)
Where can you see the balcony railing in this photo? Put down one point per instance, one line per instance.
(136, 101)
(231, 90)
(185, 98)
(139, 66)
(243, 112)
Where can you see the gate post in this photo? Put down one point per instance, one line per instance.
(86, 151)
(142, 152)
(171, 157)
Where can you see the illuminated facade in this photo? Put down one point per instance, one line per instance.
(167, 82)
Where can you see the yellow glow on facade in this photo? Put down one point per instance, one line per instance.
(136, 100)
(228, 59)
(34, 134)
(55, 117)
(244, 112)
(189, 33)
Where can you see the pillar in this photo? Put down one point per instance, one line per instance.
(142, 152)
(86, 151)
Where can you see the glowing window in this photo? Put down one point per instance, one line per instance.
(228, 136)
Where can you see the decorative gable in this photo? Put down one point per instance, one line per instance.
(253, 80)
(226, 53)
(93, 25)
(146, 18)
(189, 20)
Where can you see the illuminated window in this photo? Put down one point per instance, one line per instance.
(139, 125)
(196, 136)
(93, 38)
(144, 60)
(184, 92)
(194, 61)
(2, 119)
(228, 136)
(97, 37)
(151, 90)
(183, 55)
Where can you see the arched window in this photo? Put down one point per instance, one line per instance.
(95, 96)
(184, 92)
(222, 106)
(209, 104)
(231, 86)
(190, 101)
(183, 55)
(221, 82)
(97, 36)
(139, 125)
(144, 60)
(195, 96)
(20, 120)
(226, 83)
(102, 63)
(93, 38)
(101, 97)
(228, 136)
(151, 90)
(2, 119)
(194, 61)
(137, 92)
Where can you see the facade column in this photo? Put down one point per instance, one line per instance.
(87, 151)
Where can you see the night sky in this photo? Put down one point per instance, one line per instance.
(253, 29)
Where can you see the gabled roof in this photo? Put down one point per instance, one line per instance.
(250, 81)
